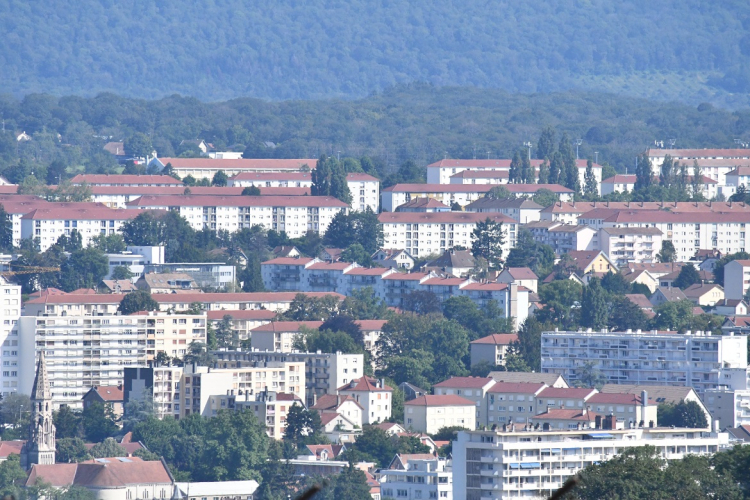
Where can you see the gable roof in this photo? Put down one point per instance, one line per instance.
(104, 473)
(659, 393)
(517, 387)
(332, 402)
(521, 273)
(671, 294)
(569, 392)
(698, 290)
(365, 384)
(433, 400)
(465, 382)
(107, 392)
(527, 377)
(497, 339)
(563, 414)
(640, 300)
(619, 398)
(584, 258)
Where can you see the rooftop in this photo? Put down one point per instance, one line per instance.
(431, 400)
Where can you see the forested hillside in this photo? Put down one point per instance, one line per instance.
(416, 122)
(690, 50)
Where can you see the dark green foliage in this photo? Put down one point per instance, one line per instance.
(734, 463)
(643, 173)
(6, 230)
(227, 336)
(562, 300)
(376, 445)
(343, 323)
(305, 308)
(83, 269)
(98, 422)
(615, 283)
(12, 476)
(251, 278)
(329, 179)
(251, 191)
(532, 254)
(688, 276)
(303, 427)
(69, 450)
(138, 145)
(357, 253)
(626, 315)
(121, 273)
(363, 303)
(220, 179)
(683, 414)
(478, 322)
(591, 186)
(529, 343)
(108, 448)
(545, 146)
(137, 301)
(594, 305)
(360, 227)
(667, 252)
(67, 423)
(111, 243)
(488, 238)
(421, 302)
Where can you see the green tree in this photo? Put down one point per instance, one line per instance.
(719, 265)
(688, 276)
(6, 230)
(138, 145)
(667, 252)
(363, 303)
(683, 414)
(121, 273)
(98, 422)
(108, 448)
(227, 336)
(356, 253)
(696, 182)
(529, 342)
(488, 239)
(594, 305)
(137, 301)
(673, 315)
(421, 302)
(70, 450)
(544, 172)
(351, 483)
(590, 376)
(666, 174)
(615, 283)
(138, 409)
(306, 308)
(251, 191)
(545, 197)
(15, 409)
(12, 475)
(303, 427)
(83, 269)
(67, 423)
(251, 277)
(198, 353)
(624, 315)
(591, 186)
(515, 175)
(643, 173)
(499, 193)
(545, 146)
(529, 253)
(110, 243)
(569, 174)
(562, 299)
(219, 179)
(362, 227)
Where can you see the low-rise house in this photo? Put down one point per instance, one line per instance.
(705, 295)
(338, 428)
(286, 251)
(640, 300)
(393, 258)
(593, 261)
(642, 277)
(549, 379)
(411, 391)
(345, 406)
(737, 325)
(373, 395)
(117, 286)
(492, 349)
(431, 413)
(660, 394)
(472, 388)
(668, 294)
(423, 205)
(329, 255)
(523, 276)
(730, 307)
(107, 395)
(166, 282)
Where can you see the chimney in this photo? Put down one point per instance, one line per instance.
(644, 402)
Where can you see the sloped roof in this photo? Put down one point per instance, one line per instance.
(659, 393)
(517, 387)
(498, 339)
(8, 448)
(619, 399)
(287, 326)
(521, 273)
(332, 402)
(699, 290)
(561, 414)
(102, 473)
(365, 384)
(672, 294)
(465, 382)
(640, 300)
(422, 202)
(528, 377)
(432, 400)
(569, 392)
(109, 392)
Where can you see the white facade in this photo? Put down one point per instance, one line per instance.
(429, 414)
(421, 479)
(527, 464)
(11, 312)
(693, 359)
(294, 214)
(135, 259)
(736, 279)
(624, 245)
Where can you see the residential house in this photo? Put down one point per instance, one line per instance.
(668, 294)
(373, 395)
(423, 205)
(636, 409)
(111, 396)
(642, 277)
(459, 263)
(472, 388)
(523, 276)
(593, 261)
(510, 403)
(393, 258)
(166, 283)
(492, 349)
(669, 394)
(411, 391)
(705, 294)
(641, 301)
(345, 406)
(429, 413)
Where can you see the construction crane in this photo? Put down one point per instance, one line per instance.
(30, 270)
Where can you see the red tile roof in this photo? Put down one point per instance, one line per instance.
(640, 300)
(288, 261)
(499, 163)
(268, 176)
(168, 298)
(560, 414)
(330, 266)
(423, 202)
(93, 179)
(246, 314)
(473, 188)
(195, 190)
(109, 392)
(465, 382)
(672, 206)
(94, 212)
(8, 448)
(498, 339)
(332, 402)
(700, 153)
(102, 473)
(441, 217)
(360, 177)
(365, 384)
(521, 273)
(570, 392)
(447, 400)
(405, 276)
(481, 174)
(489, 287)
(287, 326)
(371, 324)
(368, 271)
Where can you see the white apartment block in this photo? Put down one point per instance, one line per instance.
(204, 389)
(740, 176)
(435, 232)
(502, 465)
(270, 407)
(11, 312)
(645, 357)
(418, 478)
(518, 209)
(463, 194)
(46, 225)
(563, 238)
(373, 395)
(714, 163)
(630, 244)
(206, 168)
(365, 189)
(18, 205)
(429, 414)
(161, 383)
(736, 279)
(441, 172)
(294, 214)
(626, 182)
(84, 351)
(324, 372)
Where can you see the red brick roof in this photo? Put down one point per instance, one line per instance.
(405, 276)
(8, 448)
(700, 153)
(370, 324)
(673, 206)
(488, 164)
(441, 217)
(332, 402)
(196, 190)
(236, 201)
(498, 339)
(489, 287)
(168, 298)
(481, 174)
(102, 473)
(268, 176)
(365, 384)
(447, 400)
(94, 212)
(423, 202)
(244, 163)
(109, 392)
(465, 382)
(332, 266)
(360, 177)
(640, 300)
(367, 271)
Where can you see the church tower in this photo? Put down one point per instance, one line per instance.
(40, 447)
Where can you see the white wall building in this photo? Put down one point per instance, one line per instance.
(10, 314)
(527, 463)
(736, 279)
(693, 359)
(417, 477)
(206, 168)
(630, 244)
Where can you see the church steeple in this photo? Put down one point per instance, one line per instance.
(40, 446)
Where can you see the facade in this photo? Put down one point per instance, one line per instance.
(212, 275)
(522, 276)
(136, 259)
(518, 209)
(693, 359)
(714, 163)
(492, 349)
(126, 180)
(161, 383)
(166, 282)
(10, 315)
(531, 463)
(429, 414)
(270, 407)
(563, 238)
(206, 168)
(373, 395)
(622, 183)
(205, 389)
(324, 372)
(417, 476)
(736, 279)
(106, 395)
(85, 351)
(624, 245)
(296, 215)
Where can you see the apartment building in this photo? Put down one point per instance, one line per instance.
(135, 259)
(522, 463)
(714, 163)
(472, 388)
(324, 372)
(296, 215)
(630, 244)
(270, 407)
(18, 205)
(480, 177)
(206, 168)
(492, 349)
(694, 359)
(626, 182)
(429, 414)
(518, 209)
(417, 477)
(46, 225)
(365, 189)
(441, 172)
(126, 180)
(736, 279)
(463, 194)
(160, 383)
(204, 389)
(739, 176)
(89, 350)
(435, 232)
(563, 238)
(121, 196)
(11, 313)
(243, 322)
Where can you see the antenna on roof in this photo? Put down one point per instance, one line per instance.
(488, 155)
(578, 143)
(672, 142)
